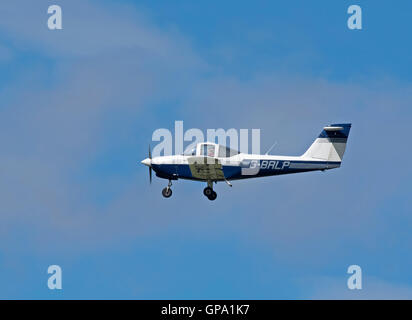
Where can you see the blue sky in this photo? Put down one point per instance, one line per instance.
(78, 109)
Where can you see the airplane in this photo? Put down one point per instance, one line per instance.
(210, 162)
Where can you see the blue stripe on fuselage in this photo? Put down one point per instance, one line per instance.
(264, 168)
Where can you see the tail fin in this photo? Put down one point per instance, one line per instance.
(331, 143)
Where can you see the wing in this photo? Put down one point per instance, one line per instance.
(206, 168)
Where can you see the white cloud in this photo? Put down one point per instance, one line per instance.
(90, 29)
(104, 65)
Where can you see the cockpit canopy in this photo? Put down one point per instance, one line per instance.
(214, 150)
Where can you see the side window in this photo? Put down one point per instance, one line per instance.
(231, 152)
(222, 152)
(208, 150)
(204, 150)
(225, 152)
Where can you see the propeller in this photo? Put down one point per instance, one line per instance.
(150, 167)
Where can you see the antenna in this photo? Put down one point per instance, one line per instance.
(271, 147)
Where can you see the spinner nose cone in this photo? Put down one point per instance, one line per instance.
(147, 162)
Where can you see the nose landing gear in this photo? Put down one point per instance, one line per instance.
(167, 192)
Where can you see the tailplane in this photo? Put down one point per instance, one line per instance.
(331, 143)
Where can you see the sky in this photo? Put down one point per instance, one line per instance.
(78, 107)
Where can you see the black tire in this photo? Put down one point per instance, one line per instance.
(167, 192)
(213, 196)
(208, 191)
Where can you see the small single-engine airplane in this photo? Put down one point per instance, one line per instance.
(210, 162)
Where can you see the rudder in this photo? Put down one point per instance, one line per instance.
(331, 143)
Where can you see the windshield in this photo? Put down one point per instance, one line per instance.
(189, 152)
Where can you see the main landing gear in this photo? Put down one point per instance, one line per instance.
(209, 193)
(167, 192)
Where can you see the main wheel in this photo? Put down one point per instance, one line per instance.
(213, 196)
(167, 192)
(208, 191)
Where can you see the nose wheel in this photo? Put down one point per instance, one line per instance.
(209, 193)
(167, 192)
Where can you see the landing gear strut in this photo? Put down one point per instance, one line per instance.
(167, 192)
(208, 191)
